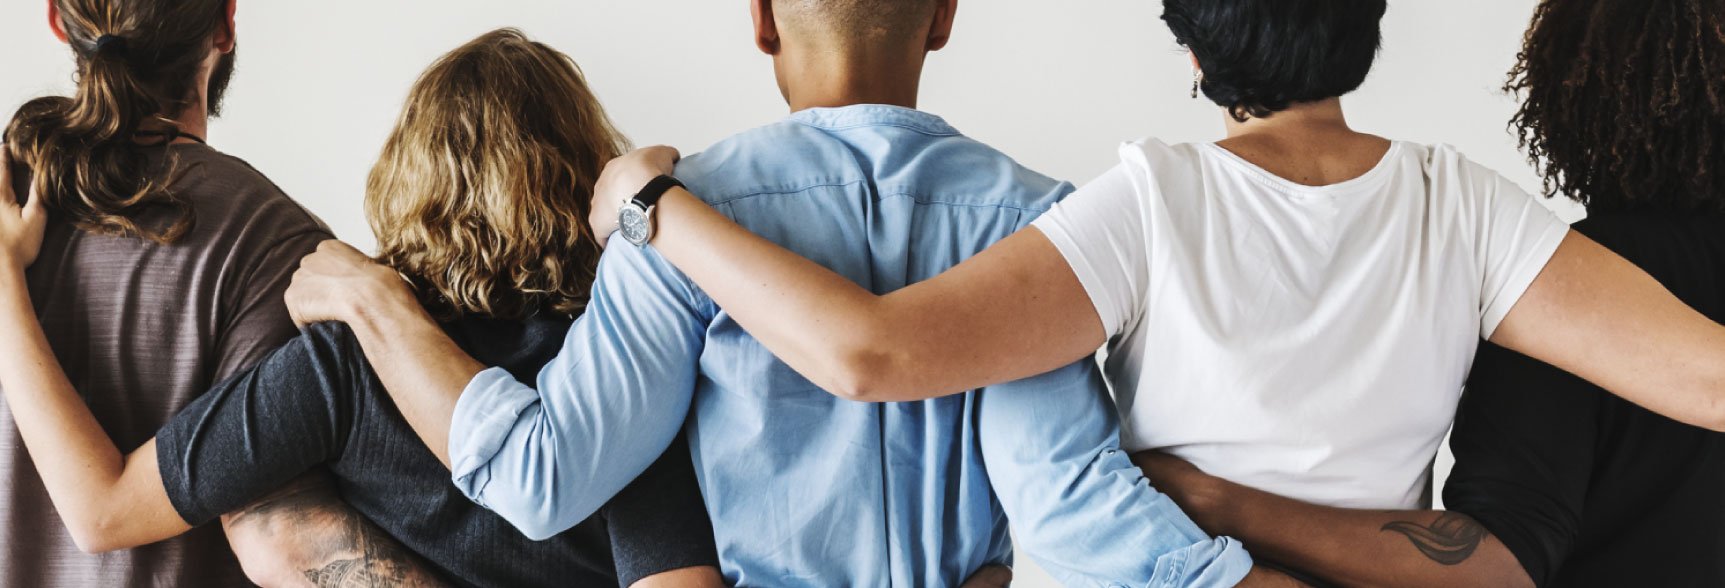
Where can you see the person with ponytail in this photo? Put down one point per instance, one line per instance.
(162, 273)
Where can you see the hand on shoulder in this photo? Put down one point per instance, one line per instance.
(22, 226)
(338, 283)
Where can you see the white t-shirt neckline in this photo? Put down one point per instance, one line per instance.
(1364, 182)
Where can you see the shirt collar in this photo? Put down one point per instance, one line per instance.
(867, 115)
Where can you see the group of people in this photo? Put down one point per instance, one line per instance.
(855, 347)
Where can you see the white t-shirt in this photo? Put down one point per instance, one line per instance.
(1308, 341)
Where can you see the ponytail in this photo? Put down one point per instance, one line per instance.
(82, 151)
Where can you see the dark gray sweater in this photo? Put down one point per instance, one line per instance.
(317, 402)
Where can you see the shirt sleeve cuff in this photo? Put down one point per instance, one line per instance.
(1218, 563)
(485, 415)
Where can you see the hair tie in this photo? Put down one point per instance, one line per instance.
(113, 45)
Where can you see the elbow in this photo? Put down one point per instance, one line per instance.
(537, 528)
(95, 538)
(540, 520)
(93, 546)
(534, 531)
(863, 376)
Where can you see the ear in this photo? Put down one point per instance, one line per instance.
(54, 23)
(1194, 57)
(766, 29)
(940, 33)
(225, 38)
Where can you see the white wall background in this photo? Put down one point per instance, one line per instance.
(1057, 83)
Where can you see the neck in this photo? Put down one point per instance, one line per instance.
(824, 79)
(1307, 117)
(194, 121)
(196, 124)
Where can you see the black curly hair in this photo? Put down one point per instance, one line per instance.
(1624, 103)
(1262, 56)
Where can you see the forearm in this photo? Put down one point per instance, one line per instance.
(1369, 547)
(695, 577)
(1051, 442)
(108, 500)
(305, 535)
(424, 371)
(1012, 311)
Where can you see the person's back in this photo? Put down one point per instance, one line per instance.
(886, 196)
(506, 292)
(805, 488)
(163, 269)
(1584, 488)
(127, 314)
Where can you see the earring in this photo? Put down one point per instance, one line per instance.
(1197, 81)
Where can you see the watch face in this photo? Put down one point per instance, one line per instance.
(632, 222)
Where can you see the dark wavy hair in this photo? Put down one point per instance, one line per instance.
(1262, 56)
(82, 150)
(1624, 103)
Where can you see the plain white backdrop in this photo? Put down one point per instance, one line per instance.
(1056, 83)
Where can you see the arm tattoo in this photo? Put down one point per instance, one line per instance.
(380, 564)
(330, 545)
(1449, 540)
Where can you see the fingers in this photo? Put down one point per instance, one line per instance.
(7, 198)
(990, 577)
(664, 153)
(332, 256)
(337, 248)
(35, 209)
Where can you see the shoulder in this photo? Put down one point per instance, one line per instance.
(991, 176)
(1153, 169)
(1151, 154)
(790, 156)
(243, 219)
(1446, 168)
(781, 157)
(331, 342)
(232, 195)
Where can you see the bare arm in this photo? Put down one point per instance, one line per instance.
(304, 535)
(695, 577)
(1594, 314)
(1016, 310)
(1348, 547)
(108, 500)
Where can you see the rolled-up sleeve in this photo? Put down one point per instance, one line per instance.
(604, 410)
(1077, 503)
(1524, 444)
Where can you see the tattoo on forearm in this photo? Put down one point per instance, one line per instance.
(1449, 540)
(380, 564)
(340, 548)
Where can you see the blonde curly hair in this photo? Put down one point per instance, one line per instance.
(481, 195)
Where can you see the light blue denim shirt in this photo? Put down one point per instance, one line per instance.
(806, 489)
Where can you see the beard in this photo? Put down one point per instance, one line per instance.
(220, 77)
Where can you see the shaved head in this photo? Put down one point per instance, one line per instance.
(856, 23)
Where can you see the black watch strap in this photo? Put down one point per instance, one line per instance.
(656, 189)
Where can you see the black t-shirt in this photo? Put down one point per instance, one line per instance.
(1585, 488)
(317, 402)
